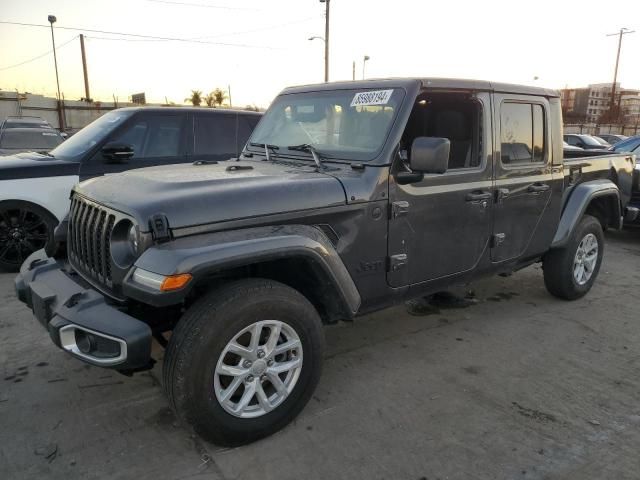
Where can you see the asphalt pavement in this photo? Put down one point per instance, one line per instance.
(519, 385)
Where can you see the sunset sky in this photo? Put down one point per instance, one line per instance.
(560, 42)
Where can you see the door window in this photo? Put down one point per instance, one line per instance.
(246, 124)
(215, 134)
(153, 136)
(522, 131)
(455, 117)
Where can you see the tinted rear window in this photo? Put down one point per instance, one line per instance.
(29, 139)
(215, 135)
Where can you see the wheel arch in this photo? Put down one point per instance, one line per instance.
(599, 198)
(299, 256)
(29, 203)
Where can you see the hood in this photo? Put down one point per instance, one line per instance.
(190, 195)
(32, 165)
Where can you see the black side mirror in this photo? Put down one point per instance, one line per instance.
(116, 152)
(428, 155)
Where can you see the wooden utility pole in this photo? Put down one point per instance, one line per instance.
(87, 96)
(326, 40)
(623, 31)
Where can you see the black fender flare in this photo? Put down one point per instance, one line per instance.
(577, 203)
(206, 254)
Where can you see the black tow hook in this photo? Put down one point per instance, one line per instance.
(73, 300)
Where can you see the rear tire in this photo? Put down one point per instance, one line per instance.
(24, 228)
(213, 365)
(570, 272)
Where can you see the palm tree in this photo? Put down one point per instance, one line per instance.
(195, 98)
(210, 100)
(220, 96)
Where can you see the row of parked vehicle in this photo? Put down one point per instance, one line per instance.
(611, 142)
(346, 198)
(25, 134)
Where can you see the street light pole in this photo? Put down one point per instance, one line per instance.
(326, 40)
(52, 19)
(623, 31)
(364, 62)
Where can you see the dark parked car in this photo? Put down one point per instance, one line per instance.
(348, 198)
(632, 145)
(34, 187)
(24, 122)
(612, 139)
(586, 142)
(17, 140)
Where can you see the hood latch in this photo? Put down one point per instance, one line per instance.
(160, 228)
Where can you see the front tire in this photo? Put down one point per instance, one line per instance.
(24, 228)
(244, 361)
(570, 272)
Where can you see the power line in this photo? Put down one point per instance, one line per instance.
(261, 29)
(150, 37)
(203, 5)
(39, 56)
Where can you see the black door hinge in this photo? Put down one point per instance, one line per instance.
(497, 239)
(160, 228)
(397, 262)
(398, 209)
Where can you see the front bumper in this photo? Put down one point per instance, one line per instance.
(79, 319)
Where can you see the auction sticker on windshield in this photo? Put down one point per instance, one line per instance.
(374, 97)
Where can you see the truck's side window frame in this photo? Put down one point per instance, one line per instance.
(479, 140)
(545, 135)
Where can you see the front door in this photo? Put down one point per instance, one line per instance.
(157, 139)
(441, 226)
(523, 176)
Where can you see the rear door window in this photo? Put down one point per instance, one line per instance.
(214, 136)
(523, 133)
(246, 124)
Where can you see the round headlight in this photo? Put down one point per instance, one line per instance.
(133, 238)
(124, 243)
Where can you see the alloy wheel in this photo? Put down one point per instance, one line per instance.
(258, 369)
(22, 232)
(585, 259)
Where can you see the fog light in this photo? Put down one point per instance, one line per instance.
(85, 342)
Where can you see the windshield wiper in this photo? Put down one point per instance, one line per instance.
(307, 147)
(267, 147)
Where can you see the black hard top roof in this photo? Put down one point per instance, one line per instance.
(428, 83)
(190, 109)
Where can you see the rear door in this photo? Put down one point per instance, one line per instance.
(214, 136)
(523, 177)
(246, 124)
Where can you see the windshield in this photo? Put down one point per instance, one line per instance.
(345, 124)
(30, 139)
(90, 135)
(590, 141)
(628, 145)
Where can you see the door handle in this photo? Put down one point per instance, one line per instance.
(478, 196)
(538, 188)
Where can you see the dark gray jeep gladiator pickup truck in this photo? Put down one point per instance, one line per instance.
(348, 198)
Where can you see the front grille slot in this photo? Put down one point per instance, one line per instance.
(89, 233)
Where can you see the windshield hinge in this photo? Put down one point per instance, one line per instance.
(160, 228)
(397, 262)
(398, 209)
